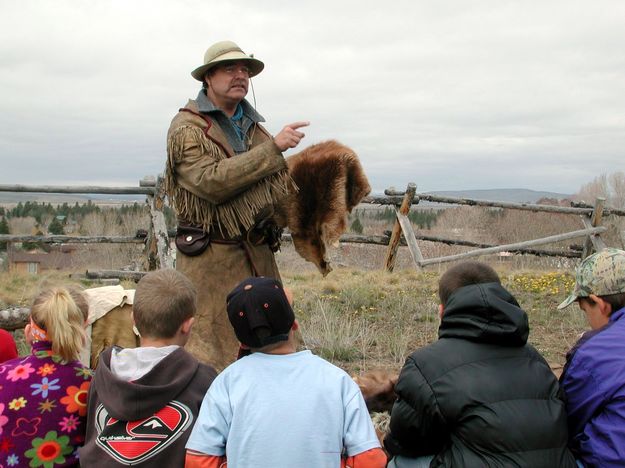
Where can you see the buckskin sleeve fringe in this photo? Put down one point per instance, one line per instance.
(233, 217)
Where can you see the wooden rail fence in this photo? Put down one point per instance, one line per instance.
(159, 252)
(591, 219)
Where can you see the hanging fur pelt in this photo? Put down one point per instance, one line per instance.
(331, 183)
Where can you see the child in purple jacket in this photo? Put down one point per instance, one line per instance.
(43, 397)
(593, 380)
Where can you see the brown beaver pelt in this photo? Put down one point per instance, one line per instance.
(331, 183)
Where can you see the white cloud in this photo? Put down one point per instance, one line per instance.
(448, 94)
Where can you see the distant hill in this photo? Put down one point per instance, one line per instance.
(507, 195)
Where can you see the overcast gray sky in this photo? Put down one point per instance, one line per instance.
(449, 94)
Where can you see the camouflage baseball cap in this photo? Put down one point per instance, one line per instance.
(600, 274)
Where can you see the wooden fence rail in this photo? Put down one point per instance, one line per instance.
(286, 237)
(73, 239)
(586, 210)
(517, 246)
(573, 252)
(86, 189)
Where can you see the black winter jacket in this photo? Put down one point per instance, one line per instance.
(480, 396)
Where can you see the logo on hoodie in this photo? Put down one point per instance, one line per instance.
(132, 442)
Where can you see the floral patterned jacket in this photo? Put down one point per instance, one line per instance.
(43, 409)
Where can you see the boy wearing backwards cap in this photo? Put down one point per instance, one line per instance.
(593, 379)
(278, 407)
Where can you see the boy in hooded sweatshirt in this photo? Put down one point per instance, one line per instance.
(144, 401)
(480, 395)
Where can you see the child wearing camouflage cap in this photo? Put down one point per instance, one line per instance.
(593, 379)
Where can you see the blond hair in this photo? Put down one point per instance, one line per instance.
(62, 313)
(163, 300)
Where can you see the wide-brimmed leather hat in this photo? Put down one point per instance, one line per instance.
(226, 51)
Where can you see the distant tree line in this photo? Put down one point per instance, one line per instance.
(76, 211)
(58, 216)
(424, 219)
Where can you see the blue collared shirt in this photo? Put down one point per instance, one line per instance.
(236, 136)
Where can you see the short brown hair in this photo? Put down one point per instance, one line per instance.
(163, 300)
(465, 274)
(616, 301)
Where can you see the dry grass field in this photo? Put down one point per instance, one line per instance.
(360, 317)
(365, 319)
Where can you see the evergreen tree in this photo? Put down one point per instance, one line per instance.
(55, 227)
(63, 209)
(33, 245)
(4, 229)
(18, 211)
(356, 226)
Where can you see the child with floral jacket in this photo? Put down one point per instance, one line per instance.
(43, 396)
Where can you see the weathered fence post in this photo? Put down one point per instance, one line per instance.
(14, 318)
(158, 251)
(594, 241)
(411, 239)
(393, 244)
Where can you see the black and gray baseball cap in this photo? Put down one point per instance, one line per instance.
(259, 312)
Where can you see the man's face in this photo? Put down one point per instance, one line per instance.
(228, 83)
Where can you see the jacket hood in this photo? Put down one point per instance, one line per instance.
(486, 313)
(131, 401)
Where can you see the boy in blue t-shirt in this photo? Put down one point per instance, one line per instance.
(276, 406)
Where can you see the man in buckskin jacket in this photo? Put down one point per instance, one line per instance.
(223, 175)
